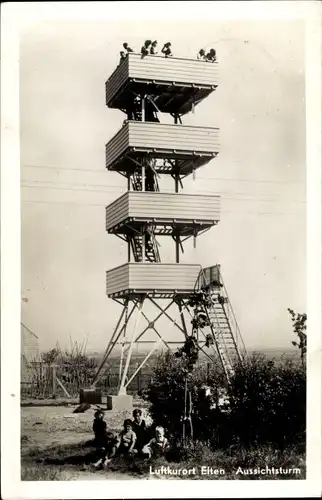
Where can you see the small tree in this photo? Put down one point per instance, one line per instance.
(166, 393)
(299, 327)
(50, 356)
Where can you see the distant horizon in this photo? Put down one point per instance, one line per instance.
(98, 353)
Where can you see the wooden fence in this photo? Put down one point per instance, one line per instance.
(43, 381)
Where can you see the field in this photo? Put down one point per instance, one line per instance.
(56, 445)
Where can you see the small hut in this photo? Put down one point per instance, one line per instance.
(29, 351)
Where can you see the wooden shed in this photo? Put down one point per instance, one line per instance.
(29, 351)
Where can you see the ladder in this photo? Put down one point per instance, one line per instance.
(222, 332)
(223, 327)
(136, 180)
(151, 248)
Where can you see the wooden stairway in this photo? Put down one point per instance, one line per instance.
(151, 248)
(221, 330)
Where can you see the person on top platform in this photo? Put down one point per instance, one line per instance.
(127, 48)
(211, 56)
(153, 48)
(201, 54)
(166, 50)
(122, 55)
(145, 48)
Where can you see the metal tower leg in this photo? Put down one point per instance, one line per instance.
(123, 341)
(122, 389)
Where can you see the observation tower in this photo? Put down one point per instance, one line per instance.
(145, 152)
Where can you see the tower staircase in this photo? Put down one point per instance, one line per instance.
(223, 326)
(136, 180)
(151, 248)
(151, 179)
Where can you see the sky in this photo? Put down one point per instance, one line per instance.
(260, 173)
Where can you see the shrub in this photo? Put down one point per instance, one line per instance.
(266, 402)
(165, 392)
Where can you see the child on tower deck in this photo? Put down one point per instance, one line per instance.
(122, 55)
(201, 54)
(127, 440)
(157, 446)
(153, 48)
(145, 48)
(139, 427)
(127, 48)
(166, 50)
(211, 56)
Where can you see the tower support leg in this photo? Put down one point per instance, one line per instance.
(122, 389)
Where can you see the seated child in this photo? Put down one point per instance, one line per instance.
(139, 427)
(127, 439)
(108, 451)
(158, 445)
(99, 429)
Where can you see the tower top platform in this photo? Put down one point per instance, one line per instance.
(176, 84)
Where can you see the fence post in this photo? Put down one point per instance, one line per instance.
(54, 381)
(139, 381)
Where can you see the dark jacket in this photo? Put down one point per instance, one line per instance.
(140, 431)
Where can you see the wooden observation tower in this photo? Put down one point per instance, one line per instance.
(145, 151)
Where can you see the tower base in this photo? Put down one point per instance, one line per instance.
(120, 402)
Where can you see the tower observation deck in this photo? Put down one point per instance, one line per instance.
(144, 151)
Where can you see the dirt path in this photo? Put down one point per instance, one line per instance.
(55, 432)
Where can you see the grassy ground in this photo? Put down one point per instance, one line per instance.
(56, 445)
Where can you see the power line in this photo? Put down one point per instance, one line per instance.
(47, 167)
(121, 187)
(104, 206)
(60, 188)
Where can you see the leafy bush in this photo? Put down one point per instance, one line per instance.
(266, 402)
(165, 392)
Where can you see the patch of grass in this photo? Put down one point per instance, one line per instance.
(25, 439)
(58, 451)
(65, 459)
(234, 457)
(228, 460)
(40, 473)
(70, 459)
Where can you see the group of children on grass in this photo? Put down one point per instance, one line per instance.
(132, 441)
